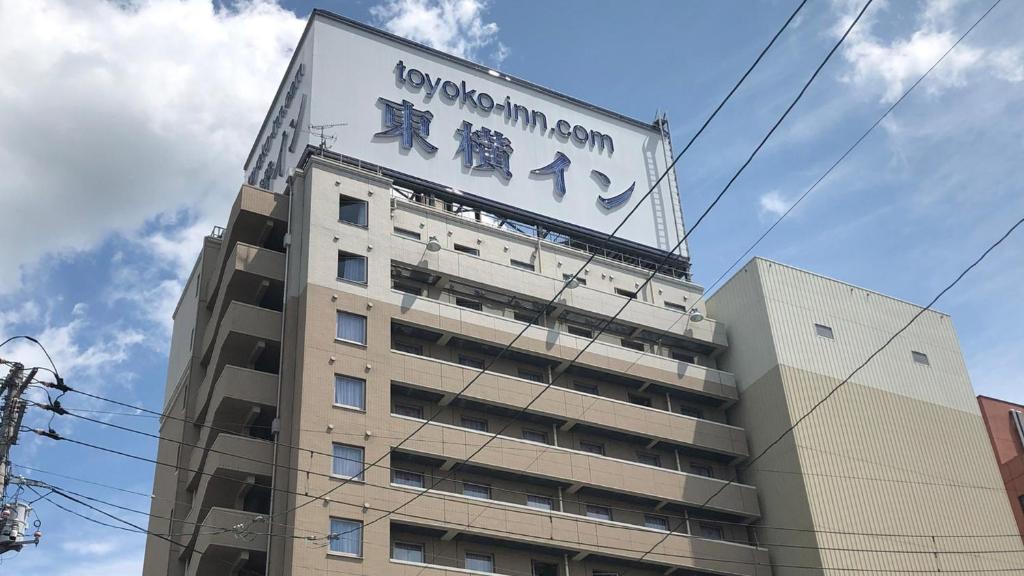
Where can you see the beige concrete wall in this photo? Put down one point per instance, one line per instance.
(900, 450)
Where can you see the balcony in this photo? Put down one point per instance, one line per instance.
(234, 462)
(568, 406)
(252, 275)
(562, 348)
(541, 288)
(456, 515)
(224, 550)
(238, 391)
(576, 469)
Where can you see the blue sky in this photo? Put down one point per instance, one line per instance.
(123, 131)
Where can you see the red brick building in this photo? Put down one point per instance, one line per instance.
(1005, 423)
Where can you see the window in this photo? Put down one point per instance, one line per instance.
(599, 512)
(352, 267)
(479, 562)
(521, 264)
(674, 306)
(474, 424)
(639, 400)
(408, 233)
(711, 531)
(691, 411)
(535, 436)
(481, 491)
(603, 573)
(407, 478)
(407, 287)
(471, 362)
(702, 470)
(352, 211)
(348, 462)
(471, 304)
(467, 249)
(579, 331)
(544, 569)
(626, 293)
(410, 410)
(580, 279)
(592, 447)
(632, 344)
(522, 316)
(585, 388)
(408, 348)
(648, 458)
(350, 392)
(346, 537)
(683, 356)
(531, 375)
(824, 331)
(539, 502)
(920, 357)
(407, 552)
(351, 328)
(656, 522)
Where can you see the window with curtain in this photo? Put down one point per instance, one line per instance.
(351, 327)
(350, 392)
(407, 478)
(408, 552)
(346, 536)
(352, 211)
(348, 461)
(352, 267)
(479, 562)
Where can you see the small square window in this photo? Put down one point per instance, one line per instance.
(467, 249)
(648, 459)
(407, 287)
(579, 331)
(711, 531)
(539, 502)
(592, 447)
(524, 265)
(920, 357)
(408, 552)
(674, 306)
(346, 537)
(626, 293)
(633, 345)
(352, 267)
(352, 211)
(702, 470)
(471, 304)
(639, 400)
(477, 424)
(524, 316)
(412, 234)
(407, 478)
(481, 491)
(824, 331)
(471, 361)
(351, 328)
(410, 410)
(683, 356)
(535, 436)
(599, 512)
(656, 522)
(580, 279)
(531, 375)
(348, 462)
(691, 411)
(479, 562)
(350, 392)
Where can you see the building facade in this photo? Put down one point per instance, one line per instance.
(416, 351)
(1005, 424)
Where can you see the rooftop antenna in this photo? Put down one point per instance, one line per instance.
(326, 140)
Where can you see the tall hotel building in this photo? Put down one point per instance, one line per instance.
(359, 289)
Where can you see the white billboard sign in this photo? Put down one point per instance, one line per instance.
(417, 111)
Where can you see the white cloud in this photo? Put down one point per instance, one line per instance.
(890, 66)
(114, 112)
(453, 26)
(774, 204)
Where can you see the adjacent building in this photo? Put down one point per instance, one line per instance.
(1005, 424)
(370, 371)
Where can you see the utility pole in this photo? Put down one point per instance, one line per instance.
(14, 514)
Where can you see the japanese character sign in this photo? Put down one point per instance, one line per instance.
(401, 119)
(491, 149)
